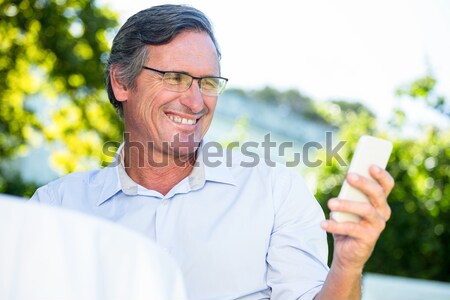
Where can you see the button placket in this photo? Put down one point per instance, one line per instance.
(161, 217)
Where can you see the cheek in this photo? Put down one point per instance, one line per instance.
(211, 103)
(148, 103)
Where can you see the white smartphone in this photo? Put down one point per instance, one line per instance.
(369, 151)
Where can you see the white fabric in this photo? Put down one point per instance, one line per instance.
(50, 253)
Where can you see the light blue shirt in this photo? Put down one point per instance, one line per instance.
(236, 232)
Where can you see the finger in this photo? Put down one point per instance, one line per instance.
(354, 230)
(383, 177)
(364, 210)
(373, 191)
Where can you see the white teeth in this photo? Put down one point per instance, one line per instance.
(178, 119)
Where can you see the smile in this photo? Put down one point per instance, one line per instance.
(181, 120)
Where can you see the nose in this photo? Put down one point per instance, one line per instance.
(193, 98)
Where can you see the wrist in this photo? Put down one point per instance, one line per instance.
(342, 283)
(346, 269)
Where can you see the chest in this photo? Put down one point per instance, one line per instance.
(219, 236)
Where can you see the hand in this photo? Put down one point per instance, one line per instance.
(354, 242)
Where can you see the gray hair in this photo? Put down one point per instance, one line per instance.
(157, 25)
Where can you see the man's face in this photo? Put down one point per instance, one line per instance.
(154, 114)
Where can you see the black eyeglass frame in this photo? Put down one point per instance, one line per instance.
(193, 77)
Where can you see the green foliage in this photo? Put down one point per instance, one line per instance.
(53, 50)
(14, 185)
(343, 114)
(416, 241)
(424, 89)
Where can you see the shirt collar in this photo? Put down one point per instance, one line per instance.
(115, 177)
(109, 178)
(215, 170)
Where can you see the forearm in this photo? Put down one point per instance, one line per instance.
(354, 242)
(341, 285)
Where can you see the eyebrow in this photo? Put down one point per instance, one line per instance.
(187, 73)
(182, 72)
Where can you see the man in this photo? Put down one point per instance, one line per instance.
(236, 233)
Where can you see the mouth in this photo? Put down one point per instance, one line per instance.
(182, 120)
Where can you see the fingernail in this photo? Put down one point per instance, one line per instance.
(334, 203)
(324, 224)
(352, 177)
(376, 168)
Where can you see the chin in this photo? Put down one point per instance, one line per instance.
(185, 144)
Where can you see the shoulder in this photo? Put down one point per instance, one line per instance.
(75, 179)
(77, 184)
(257, 166)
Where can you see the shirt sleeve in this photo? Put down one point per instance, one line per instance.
(43, 195)
(298, 251)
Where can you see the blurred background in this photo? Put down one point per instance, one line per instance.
(297, 70)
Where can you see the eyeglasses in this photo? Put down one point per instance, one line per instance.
(181, 82)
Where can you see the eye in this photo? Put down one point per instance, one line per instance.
(176, 78)
(210, 83)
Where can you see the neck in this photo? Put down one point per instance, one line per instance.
(154, 170)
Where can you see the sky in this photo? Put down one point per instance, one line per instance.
(348, 49)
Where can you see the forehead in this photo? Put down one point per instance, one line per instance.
(190, 51)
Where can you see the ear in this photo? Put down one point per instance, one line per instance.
(119, 88)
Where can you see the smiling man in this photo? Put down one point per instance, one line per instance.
(170, 109)
(236, 232)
